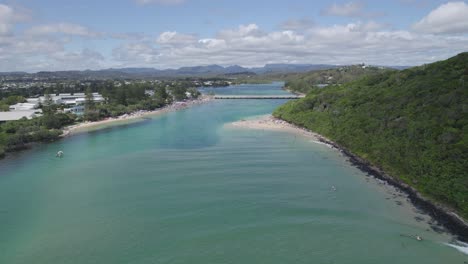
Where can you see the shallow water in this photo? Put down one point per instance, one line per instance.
(182, 188)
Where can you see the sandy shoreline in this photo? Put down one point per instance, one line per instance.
(268, 122)
(443, 215)
(128, 118)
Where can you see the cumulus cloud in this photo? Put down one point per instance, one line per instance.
(32, 53)
(47, 47)
(448, 18)
(9, 16)
(161, 2)
(39, 48)
(174, 38)
(249, 45)
(131, 54)
(6, 15)
(241, 31)
(84, 59)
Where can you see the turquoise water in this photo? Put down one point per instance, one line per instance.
(183, 188)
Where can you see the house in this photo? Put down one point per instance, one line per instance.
(149, 92)
(77, 110)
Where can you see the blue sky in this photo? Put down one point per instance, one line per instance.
(64, 35)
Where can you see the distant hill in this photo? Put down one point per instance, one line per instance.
(197, 71)
(412, 123)
(290, 68)
(304, 82)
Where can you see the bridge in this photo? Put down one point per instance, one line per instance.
(292, 96)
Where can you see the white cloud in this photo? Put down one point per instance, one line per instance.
(48, 47)
(84, 59)
(174, 38)
(249, 45)
(161, 2)
(63, 28)
(38, 48)
(9, 16)
(33, 53)
(213, 44)
(241, 31)
(136, 54)
(351, 9)
(6, 17)
(448, 18)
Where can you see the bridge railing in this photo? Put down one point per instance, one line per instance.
(258, 96)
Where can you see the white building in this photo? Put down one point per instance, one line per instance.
(70, 99)
(33, 101)
(149, 92)
(17, 115)
(24, 106)
(77, 110)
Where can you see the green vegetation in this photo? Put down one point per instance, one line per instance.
(16, 135)
(120, 98)
(127, 98)
(413, 124)
(304, 82)
(10, 100)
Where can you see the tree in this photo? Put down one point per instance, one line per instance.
(48, 98)
(161, 96)
(178, 92)
(89, 100)
(48, 104)
(91, 113)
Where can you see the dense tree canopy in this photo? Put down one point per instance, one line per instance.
(304, 82)
(413, 124)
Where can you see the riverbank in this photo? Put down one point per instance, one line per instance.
(132, 117)
(442, 214)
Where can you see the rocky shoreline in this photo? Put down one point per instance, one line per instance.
(443, 215)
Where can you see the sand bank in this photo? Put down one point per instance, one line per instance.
(268, 122)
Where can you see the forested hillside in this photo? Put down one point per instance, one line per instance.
(304, 82)
(412, 123)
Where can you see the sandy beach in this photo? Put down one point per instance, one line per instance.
(268, 122)
(129, 118)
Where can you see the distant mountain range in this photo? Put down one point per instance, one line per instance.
(197, 71)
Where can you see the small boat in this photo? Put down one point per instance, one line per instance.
(418, 238)
(59, 154)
